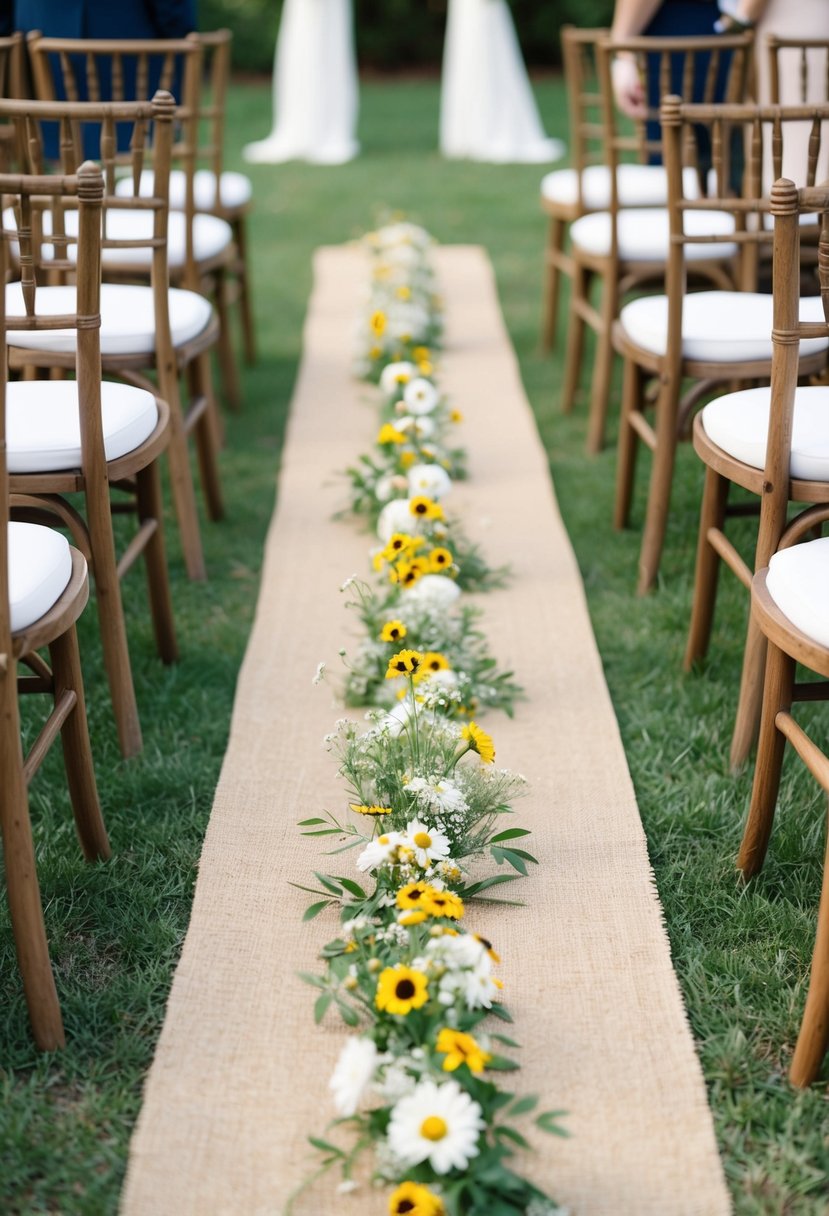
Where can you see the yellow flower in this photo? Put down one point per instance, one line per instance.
(362, 809)
(440, 559)
(378, 323)
(401, 989)
(407, 459)
(407, 573)
(393, 631)
(411, 895)
(421, 354)
(425, 367)
(460, 1048)
(442, 903)
(487, 945)
(415, 917)
(390, 434)
(430, 663)
(404, 292)
(375, 352)
(425, 508)
(404, 663)
(378, 560)
(399, 544)
(412, 1199)
(479, 741)
(455, 416)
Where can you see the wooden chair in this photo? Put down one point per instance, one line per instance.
(620, 249)
(153, 328)
(201, 252)
(707, 337)
(11, 85)
(789, 598)
(84, 436)
(43, 590)
(772, 441)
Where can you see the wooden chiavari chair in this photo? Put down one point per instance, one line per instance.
(43, 590)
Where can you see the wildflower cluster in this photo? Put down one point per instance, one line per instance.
(418, 1081)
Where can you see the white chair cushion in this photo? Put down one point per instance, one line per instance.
(717, 326)
(638, 186)
(236, 190)
(127, 318)
(211, 236)
(40, 566)
(644, 235)
(739, 422)
(43, 428)
(798, 582)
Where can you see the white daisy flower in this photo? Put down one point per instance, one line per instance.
(353, 1073)
(378, 851)
(429, 479)
(420, 396)
(422, 427)
(394, 375)
(438, 1123)
(427, 843)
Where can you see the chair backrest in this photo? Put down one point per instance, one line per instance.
(84, 192)
(151, 127)
(11, 85)
(584, 102)
(749, 130)
(212, 98)
(130, 70)
(788, 206)
(798, 69)
(703, 69)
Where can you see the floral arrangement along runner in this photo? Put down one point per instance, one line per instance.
(418, 1081)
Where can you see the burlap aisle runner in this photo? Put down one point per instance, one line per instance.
(240, 1075)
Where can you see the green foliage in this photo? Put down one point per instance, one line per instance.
(399, 35)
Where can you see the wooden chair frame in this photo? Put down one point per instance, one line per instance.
(617, 276)
(207, 276)
(673, 409)
(775, 44)
(62, 680)
(43, 494)
(170, 363)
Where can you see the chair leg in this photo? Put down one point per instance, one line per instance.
(22, 887)
(181, 477)
(552, 282)
(777, 696)
(111, 619)
(148, 494)
(574, 354)
(659, 491)
(224, 349)
(706, 575)
(602, 366)
(750, 701)
(77, 754)
(240, 237)
(813, 1039)
(628, 444)
(207, 434)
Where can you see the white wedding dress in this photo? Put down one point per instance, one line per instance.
(315, 96)
(487, 109)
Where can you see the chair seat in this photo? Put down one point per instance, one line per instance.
(738, 423)
(40, 566)
(798, 582)
(127, 318)
(644, 235)
(43, 427)
(638, 186)
(717, 326)
(235, 189)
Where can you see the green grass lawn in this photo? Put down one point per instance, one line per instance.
(115, 930)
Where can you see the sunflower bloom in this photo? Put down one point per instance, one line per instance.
(433, 661)
(407, 459)
(411, 895)
(398, 544)
(412, 1199)
(440, 559)
(400, 989)
(460, 1048)
(421, 354)
(378, 323)
(442, 903)
(425, 508)
(479, 741)
(393, 631)
(404, 663)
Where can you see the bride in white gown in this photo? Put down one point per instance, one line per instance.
(314, 86)
(487, 109)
